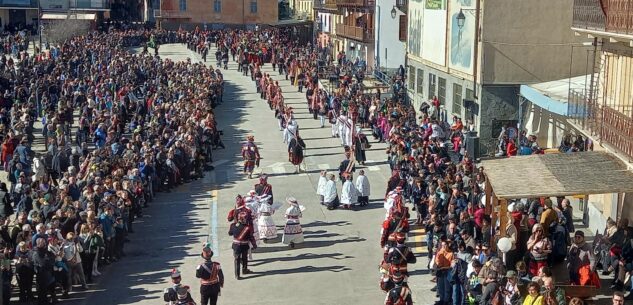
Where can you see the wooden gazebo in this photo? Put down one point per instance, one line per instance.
(551, 175)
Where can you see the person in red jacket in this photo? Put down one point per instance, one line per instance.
(511, 149)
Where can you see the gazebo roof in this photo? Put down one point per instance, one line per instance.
(551, 175)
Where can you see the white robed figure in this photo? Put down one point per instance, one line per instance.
(391, 199)
(349, 195)
(321, 186)
(363, 188)
(290, 132)
(267, 229)
(293, 234)
(330, 195)
(253, 205)
(345, 129)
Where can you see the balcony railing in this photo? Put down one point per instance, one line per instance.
(612, 16)
(23, 3)
(588, 15)
(402, 5)
(90, 4)
(355, 32)
(171, 14)
(610, 126)
(620, 16)
(325, 5)
(357, 3)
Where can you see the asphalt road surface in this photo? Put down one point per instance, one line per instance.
(337, 264)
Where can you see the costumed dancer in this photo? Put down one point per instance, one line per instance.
(321, 186)
(291, 130)
(399, 256)
(251, 156)
(345, 129)
(295, 151)
(396, 223)
(211, 277)
(333, 118)
(293, 234)
(170, 295)
(267, 229)
(264, 189)
(361, 144)
(400, 294)
(242, 240)
(349, 194)
(347, 166)
(362, 186)
(240, 208)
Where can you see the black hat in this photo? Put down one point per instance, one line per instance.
(579, 233)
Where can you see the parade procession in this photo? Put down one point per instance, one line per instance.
(316, 152)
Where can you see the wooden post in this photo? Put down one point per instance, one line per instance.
(488, 195)
(503, 217)
(491, 209)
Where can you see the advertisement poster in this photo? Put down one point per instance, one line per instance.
(434, 32)
(462, 35)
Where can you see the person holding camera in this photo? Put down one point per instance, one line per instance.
(72, 250)
(552, 295)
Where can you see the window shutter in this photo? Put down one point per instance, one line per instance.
(403, 28)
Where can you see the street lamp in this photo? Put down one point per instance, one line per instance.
(461, 19)
(393, 12)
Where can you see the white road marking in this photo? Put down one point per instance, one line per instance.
(374, 168)
(220, 162)
(279, 169)
(324, 167)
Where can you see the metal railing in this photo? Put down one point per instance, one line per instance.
(355, 32)
(357, 3)
(170, 14)
(612, 16)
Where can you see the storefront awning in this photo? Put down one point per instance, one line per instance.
(64, 16)
(553, 175)
(553, 96)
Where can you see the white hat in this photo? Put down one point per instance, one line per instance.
(292, 201)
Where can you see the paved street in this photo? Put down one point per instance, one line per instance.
(338, 263)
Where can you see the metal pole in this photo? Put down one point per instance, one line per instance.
(39, 22)
(377, 26)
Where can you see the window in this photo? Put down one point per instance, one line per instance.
(253, 6)
(441, 92)
(457, 99)
(411, 84)
(432, 84)
(182, 5)
(217, 6)
(470, 95)
(420, 82)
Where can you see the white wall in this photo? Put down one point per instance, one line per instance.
(387, 36)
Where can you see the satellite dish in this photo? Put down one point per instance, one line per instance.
(504, 244)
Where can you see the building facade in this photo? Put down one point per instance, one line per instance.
(354, 28)
(474, 55)
(390, 50)
(604, 112)
(216, 12)
(21, 14)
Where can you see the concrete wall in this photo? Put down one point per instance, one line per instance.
(497, 103)
(527, 41)
(233, 11)
(388, 47)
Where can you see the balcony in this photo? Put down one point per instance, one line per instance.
(355, 33)
(609, 16)
(90, 4)
(325, 5)
(18, 4)
(357, 3)
(609, 125)
(171, 14)
(403, 5)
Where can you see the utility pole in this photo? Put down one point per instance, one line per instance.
(39, 22)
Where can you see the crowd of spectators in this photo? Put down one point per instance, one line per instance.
(117, 127)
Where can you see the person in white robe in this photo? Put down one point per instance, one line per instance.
(291, 131)
(293, 234)
(321, 186)
(362, 186)
(344, 130)
(330, 195)
(349, 195)
(266, 225)
(391, 199)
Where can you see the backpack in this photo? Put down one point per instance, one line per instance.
(497, 297)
